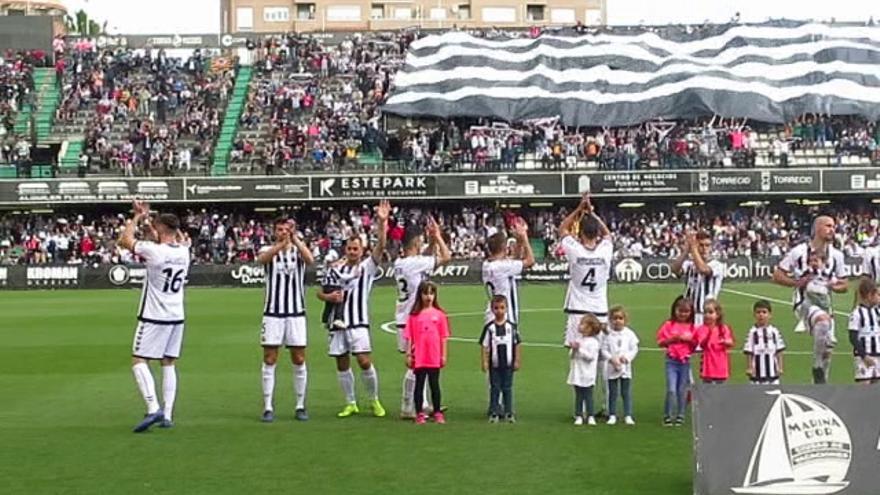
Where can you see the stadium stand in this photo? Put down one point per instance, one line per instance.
(142, 113)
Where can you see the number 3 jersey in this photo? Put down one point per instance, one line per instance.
(589, 270)
(409, 273)
(167, 268)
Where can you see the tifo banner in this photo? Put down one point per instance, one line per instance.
(626, 270)
(792, 440)
(768, 73)
(508, 185)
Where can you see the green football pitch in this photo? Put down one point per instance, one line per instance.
(69, 402)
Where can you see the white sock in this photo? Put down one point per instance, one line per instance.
(409, 390)
(346, 382)
(145, 384)
(169, 390)
(268, 386)
(371, 382)
(300, 378)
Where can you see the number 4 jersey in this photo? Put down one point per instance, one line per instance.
(167, 268)
(589, 270)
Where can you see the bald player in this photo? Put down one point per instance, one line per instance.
(815, 269)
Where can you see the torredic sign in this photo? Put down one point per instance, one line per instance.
(793, 440)
(513, 185)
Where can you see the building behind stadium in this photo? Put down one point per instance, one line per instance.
(335, 15)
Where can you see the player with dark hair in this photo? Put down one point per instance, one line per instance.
(159, 333)
(703, 274)
(284, 313)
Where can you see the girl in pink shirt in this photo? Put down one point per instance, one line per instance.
(427, 330)
(714, 338)
(676, 335)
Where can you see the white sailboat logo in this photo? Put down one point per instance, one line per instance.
(804, 449)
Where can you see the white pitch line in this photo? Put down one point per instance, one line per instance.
(390, 327)
(771, 299)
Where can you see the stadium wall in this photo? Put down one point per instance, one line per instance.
(501, 186)
(627, 270)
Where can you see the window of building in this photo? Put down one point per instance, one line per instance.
(464, 11)
(534, 12)
(344, 13)
(244, 19)
(377, 11)
(305, 11)
(593, 17)
(404, 13)
(562, 16)
(499, 14)
(438, 14)
(276, 14)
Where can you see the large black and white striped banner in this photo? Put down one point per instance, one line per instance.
(768, 73)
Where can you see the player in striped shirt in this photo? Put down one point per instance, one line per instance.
(703, 275)
(355, 338)
(500, 270)
(284, 313)
(159, 333)
(763, 347)
(410, 270)
(864, 332)
(815, 269)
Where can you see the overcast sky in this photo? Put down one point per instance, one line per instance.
(153, 16)
(697, 11)
(203, 16)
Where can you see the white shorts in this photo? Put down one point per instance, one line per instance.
(864, 372)
(351, 341)
(401, 341)
(157, 340)
(572, 324)
(808, 312)
(287, 331)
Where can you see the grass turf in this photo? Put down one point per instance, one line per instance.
(69, 402)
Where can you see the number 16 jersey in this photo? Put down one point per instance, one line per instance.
(589, 271)
(167, 268)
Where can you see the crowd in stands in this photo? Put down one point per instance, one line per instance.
(16, 91)
(319, 102)
(236, 236)
(315, 106)
(142, 105)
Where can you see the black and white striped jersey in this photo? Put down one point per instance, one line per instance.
(700, 287)
(796, 265)
(865, 320)
(285, 285)
(762, 345)
(500, 341)
(356, 312)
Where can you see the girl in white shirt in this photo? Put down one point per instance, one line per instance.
(620, 347)
(583, 367)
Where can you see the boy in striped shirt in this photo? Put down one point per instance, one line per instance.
(763, 347)
(500, 352)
